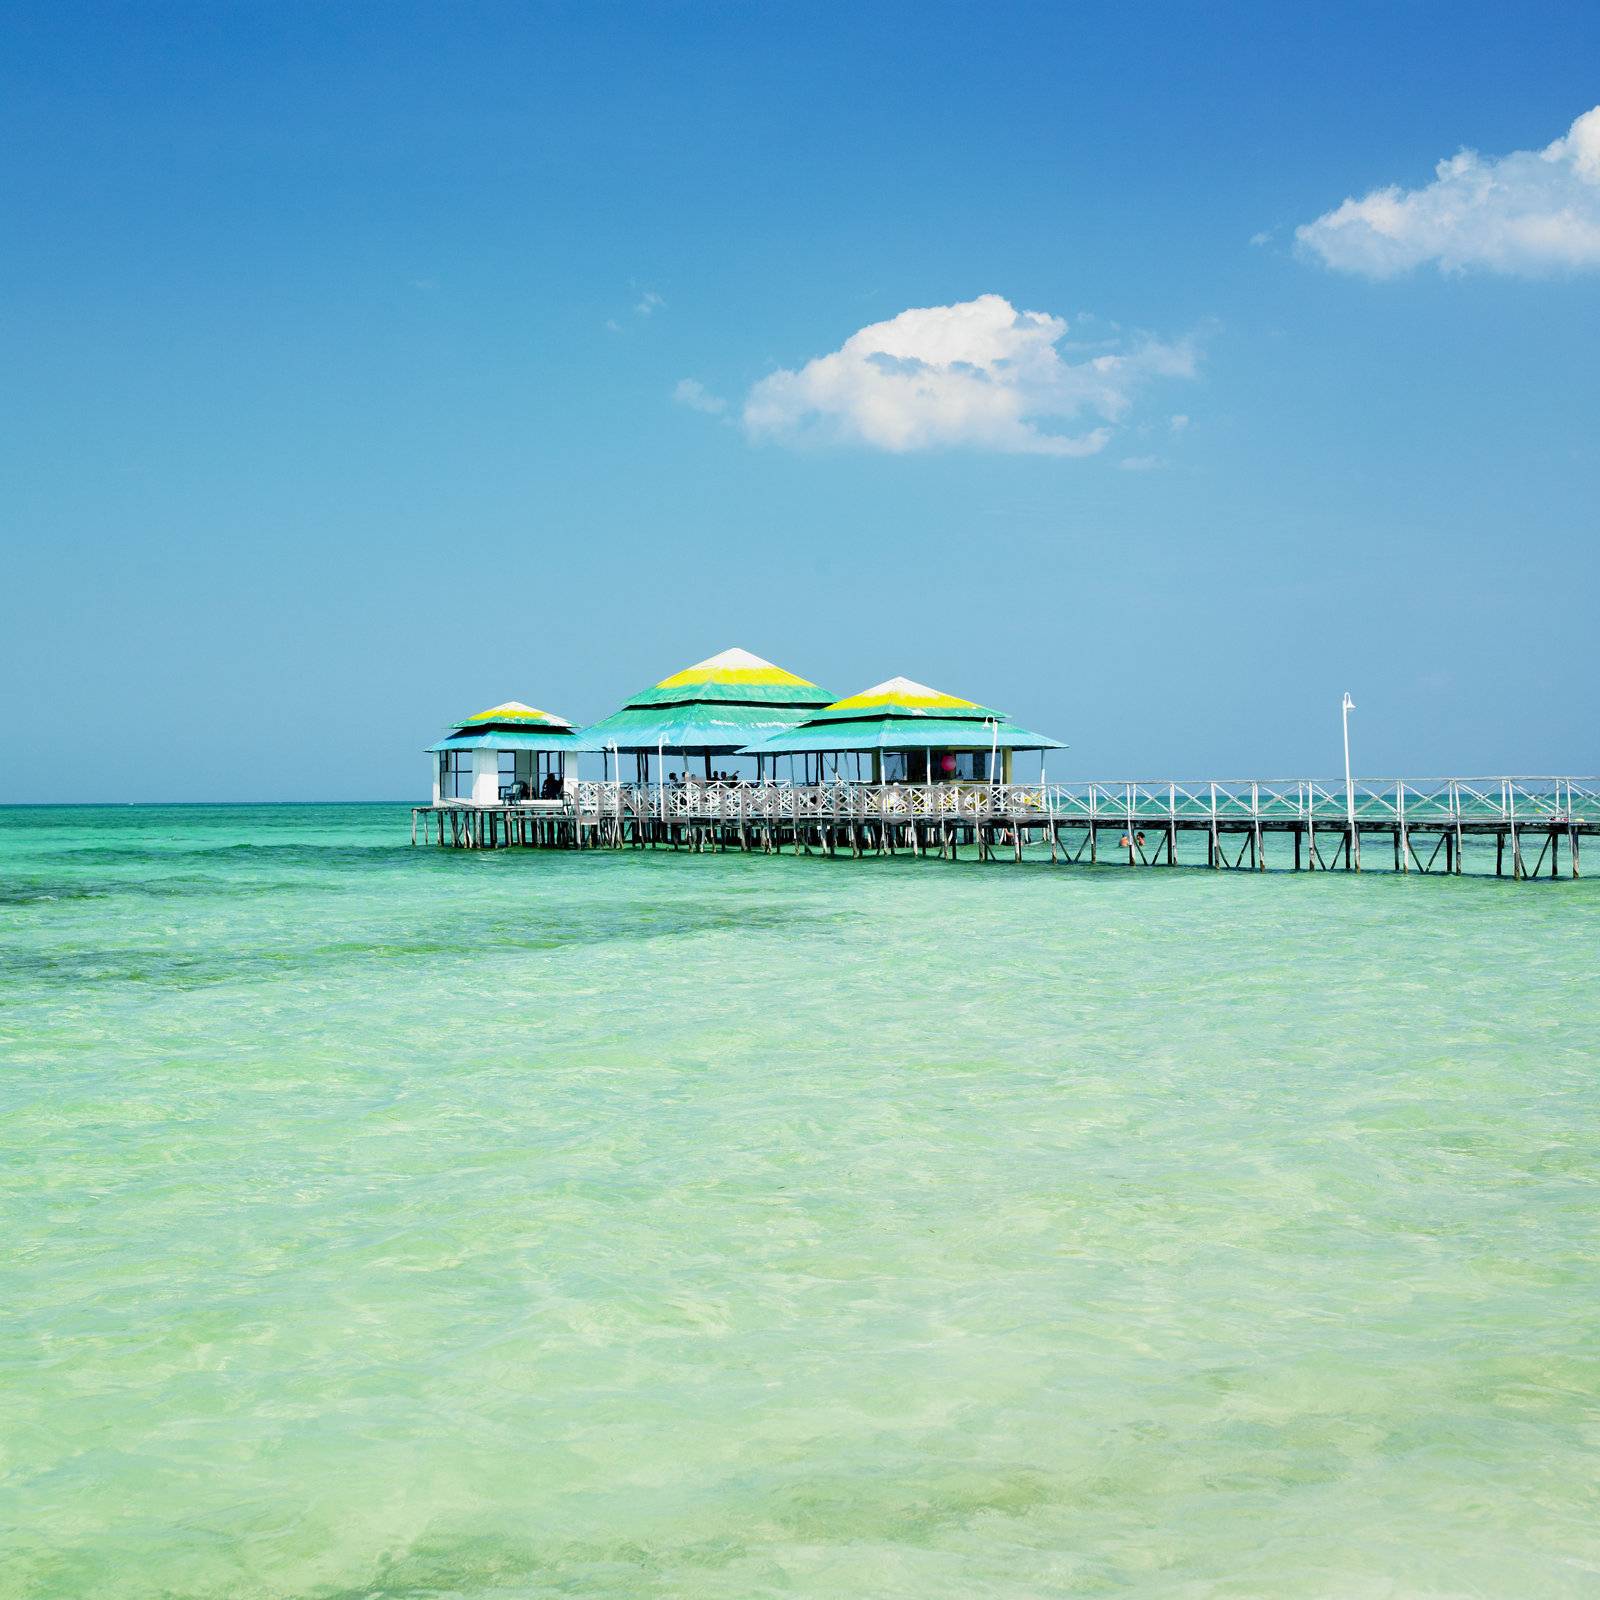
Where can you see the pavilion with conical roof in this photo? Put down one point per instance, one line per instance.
(716, 707)
(913, 734)
(511, 752)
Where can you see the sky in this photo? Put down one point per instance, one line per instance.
(1154, 374)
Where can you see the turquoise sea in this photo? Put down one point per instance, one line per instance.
(390, 1222)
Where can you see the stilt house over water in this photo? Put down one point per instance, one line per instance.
(902, 766)
(911, 734)
(509, 753)
(715, 708)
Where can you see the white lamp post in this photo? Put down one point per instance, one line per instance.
(1349, 787)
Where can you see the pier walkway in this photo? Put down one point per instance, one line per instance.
(1534, 825)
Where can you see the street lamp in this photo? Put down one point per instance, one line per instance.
(1349, 788)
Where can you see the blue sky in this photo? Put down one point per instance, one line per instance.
(340, 350)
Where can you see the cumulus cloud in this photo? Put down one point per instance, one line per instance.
(980, 374)
(694, 394)
(1530, 212)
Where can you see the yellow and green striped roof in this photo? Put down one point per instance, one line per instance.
(901, 697)
(511, 725)
(719, 704)
(903, 715)
(732, 677)
(514, 713)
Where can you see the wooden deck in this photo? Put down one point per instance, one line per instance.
(1535, 825)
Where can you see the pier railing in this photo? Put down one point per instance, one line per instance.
(1528, 821)
(1382, 802)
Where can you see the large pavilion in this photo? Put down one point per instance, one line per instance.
(717, 707)
(907, 733)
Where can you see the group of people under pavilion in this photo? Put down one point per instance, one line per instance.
(736, 705)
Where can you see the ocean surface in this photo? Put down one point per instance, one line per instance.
(388, 1222)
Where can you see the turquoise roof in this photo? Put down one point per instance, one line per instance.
(905, 733)
(717, 728)
(508, 739)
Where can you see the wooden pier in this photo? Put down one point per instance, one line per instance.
(1534, 825)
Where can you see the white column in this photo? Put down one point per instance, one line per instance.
(436, 757)
(485, 777)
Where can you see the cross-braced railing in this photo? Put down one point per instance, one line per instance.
(1386, 802)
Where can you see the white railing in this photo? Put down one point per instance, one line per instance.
(1387, 801)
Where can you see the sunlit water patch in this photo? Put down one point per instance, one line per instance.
(385, 1222)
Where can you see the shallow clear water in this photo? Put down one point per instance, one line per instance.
(393, 1222)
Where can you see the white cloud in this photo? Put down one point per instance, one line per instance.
(647, 302)
(1178, 423)
(694, 394)
(1531, 212)
(979, 374)
(1141, 463)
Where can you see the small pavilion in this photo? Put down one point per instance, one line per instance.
(509, 753)
(715, 708)
(905, 732)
